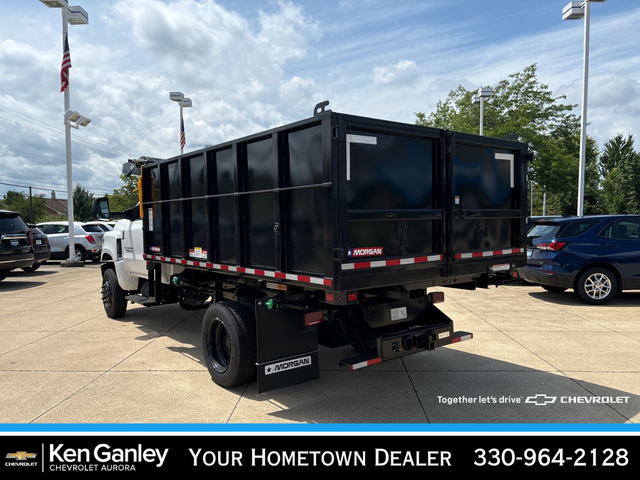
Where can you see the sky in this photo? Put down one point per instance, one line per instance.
(250, 65)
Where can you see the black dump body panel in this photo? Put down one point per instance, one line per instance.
(342, 203)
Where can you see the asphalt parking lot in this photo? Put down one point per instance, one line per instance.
(536, 357)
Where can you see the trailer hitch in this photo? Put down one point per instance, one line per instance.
(424, 341)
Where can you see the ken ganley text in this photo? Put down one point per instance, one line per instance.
(319, 458)
(103, 457)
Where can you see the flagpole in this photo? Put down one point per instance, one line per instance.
(183, 102)
(67, 137)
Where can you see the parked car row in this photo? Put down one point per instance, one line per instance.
(28, 246)
(88, 239)
(596, 256)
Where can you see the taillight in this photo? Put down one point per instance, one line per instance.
(90, 239)
(554, 246)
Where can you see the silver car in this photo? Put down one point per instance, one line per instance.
(88, 240)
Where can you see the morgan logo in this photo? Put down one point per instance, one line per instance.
(288, 365)
(365, 252)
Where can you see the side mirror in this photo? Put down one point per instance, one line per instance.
(130, 168)
(101, 209)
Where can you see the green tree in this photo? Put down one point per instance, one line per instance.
(126, 196)
(525, 109)
(32, 209)
(82, 204)
(620, 167)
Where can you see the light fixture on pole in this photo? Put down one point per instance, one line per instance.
(483, 93)
(75, 120)
(577, 11)
(74, 16)
(184, 103)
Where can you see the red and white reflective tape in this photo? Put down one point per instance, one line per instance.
(366, 363)
(390, 263)
(327, 282)
(462, 338)
(489, 253)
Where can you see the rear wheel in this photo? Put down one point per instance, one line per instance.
(113, 297)
(597, 286)
(229, 343)
(32, 268)
(79, 254)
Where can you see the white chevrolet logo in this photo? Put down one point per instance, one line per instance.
(540, 399)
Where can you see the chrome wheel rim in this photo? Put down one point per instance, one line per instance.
(597, 286)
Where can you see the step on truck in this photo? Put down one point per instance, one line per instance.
(333, 231)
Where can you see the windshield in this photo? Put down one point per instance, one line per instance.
(544, 230)
(92, 228)
(12, 224)
(548, 230)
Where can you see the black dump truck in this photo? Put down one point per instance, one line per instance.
(335, 230)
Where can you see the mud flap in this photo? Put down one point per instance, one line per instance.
(287, 349)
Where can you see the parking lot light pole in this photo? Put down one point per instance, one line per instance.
(483, 93)
(183, 102)
(576, 11)
(74, 16)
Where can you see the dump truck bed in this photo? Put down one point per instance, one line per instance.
(342, 203)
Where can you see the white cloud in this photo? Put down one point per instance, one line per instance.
(403, 72)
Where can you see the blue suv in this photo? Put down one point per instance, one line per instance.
(597, 256)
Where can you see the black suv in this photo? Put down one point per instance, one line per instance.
(15, 243)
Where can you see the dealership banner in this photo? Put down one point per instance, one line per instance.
(107, 454)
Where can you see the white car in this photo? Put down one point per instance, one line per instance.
(88, 239)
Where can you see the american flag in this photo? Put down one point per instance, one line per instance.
(66, 65)
(183, 139)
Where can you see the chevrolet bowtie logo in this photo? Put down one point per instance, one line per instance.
(20, 455)
(540, 399)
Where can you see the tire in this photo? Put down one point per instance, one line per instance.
(4, 274)
(229, 343)
(80, 254)
(553, 289)
(597, 286)
(32, 268)
(113, 297)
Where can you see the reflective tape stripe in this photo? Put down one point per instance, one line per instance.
(327, 282)
(391, 263)
(489, 253)
(367, 363)
(468, 336)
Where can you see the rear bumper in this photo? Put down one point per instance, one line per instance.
(10, 262)
(541, 277)
(42, 257)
